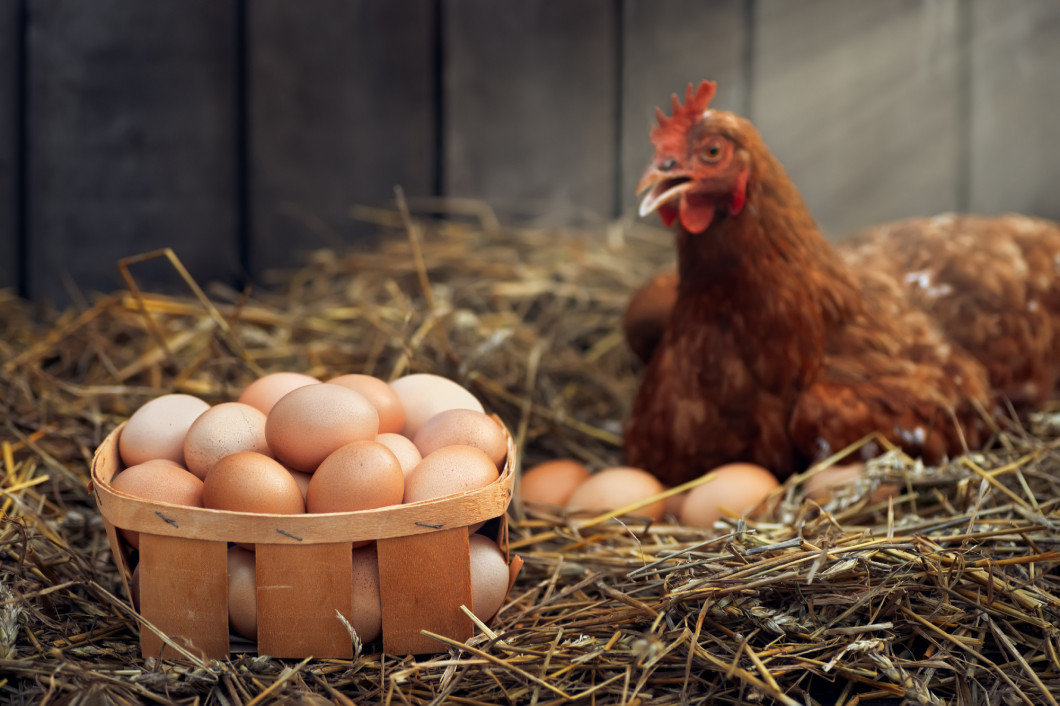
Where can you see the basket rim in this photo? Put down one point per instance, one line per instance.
(137, 514)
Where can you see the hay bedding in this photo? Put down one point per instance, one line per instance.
(945, 595)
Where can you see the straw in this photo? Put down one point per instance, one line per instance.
(947, 593)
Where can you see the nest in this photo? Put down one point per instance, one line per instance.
(945, 593)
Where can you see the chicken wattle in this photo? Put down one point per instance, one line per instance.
(778, 348)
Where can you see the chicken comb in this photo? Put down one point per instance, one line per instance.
(676, 126)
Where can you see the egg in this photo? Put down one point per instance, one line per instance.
(552, 482)
(381, 395)
(158, 481)
(358, 476)
(489, 577)
(222, 430)
(367, 618)
(251, 482)
(407, 453)
(823, 484)
(463, 426)
(424, 395)
(266, 391)
(614, 488)
(157, 429)
(242, 593)
(674, 503)
(168, 462)
(449, 470)
(309, 423)
(736, 489)
(302, 479)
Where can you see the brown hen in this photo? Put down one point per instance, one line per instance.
(771, 345)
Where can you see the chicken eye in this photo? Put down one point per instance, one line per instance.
(713, 151)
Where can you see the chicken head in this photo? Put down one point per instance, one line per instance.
(700, 169)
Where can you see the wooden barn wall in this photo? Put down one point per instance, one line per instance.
(9, 143)
(243, 132)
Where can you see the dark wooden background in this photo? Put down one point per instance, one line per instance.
(241, 132)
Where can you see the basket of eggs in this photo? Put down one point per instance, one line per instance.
(306, 513)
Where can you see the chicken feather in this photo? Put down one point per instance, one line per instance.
(773, 346)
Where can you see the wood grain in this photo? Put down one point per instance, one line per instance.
(530, 107)
(132, 140)
(1014, 155)
(668, 44)
(302, 590)
(859, 103)
(423, 581)
(184, 593)
(342, 110)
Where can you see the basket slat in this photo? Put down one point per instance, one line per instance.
(304, 567)
(132, 513)
(184, 590)
(423, 581)
(118, 552)
(300, 590)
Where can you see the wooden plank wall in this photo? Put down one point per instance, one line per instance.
(131, 113)
(668, 44)
(241, 132)
(1014, 102)
(530, 104)
(859, 102)
(341, 109)
(10, 255)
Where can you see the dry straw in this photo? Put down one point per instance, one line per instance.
(944, 594)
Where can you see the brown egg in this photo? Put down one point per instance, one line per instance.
(302, 479)
(358, 476)
(168, 462)
(424, 395)
(614, 488)
(158, 481)
(266, 391)
(489, 577)
(552, 482)
(407, 453)
(222, 430)
(674, 503)
(449, 470)
(463, 426)
(382, 397)
(242, 593)
(157, 429)
(252, 482)
(823, 484)
(736, 489)
(311, 422)
(367, 618)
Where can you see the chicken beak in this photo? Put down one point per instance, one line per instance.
(661, 187)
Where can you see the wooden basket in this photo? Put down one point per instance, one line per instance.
(304, 568)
